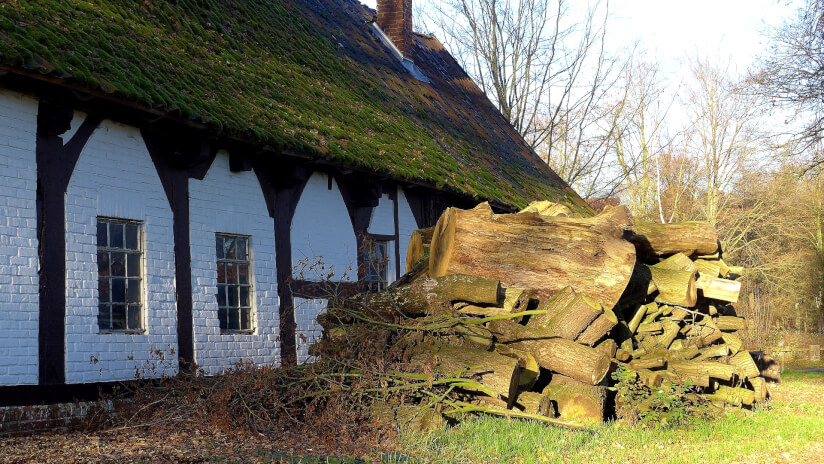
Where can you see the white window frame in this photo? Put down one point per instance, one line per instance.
(133, 279)
(223, 290)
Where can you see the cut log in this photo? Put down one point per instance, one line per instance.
(485, 311)
(425, 296)
(719, 289)
(715, 351)
(759, 386)
(731, 323)
(608, 347)
(647, 363)
(515, 299)
(671, 329)
(734, 396)
(745, 364)
(494, 371)
(579, 314)
(733, 342)
(675, 287)
(769, 367)
(552, 306)
(547, 208)
(556, 354)
(639, 316)
(576, 401)
(678, 262)
(534, 403)
(690, 238)
(708, 268)
(599, 328)
(693, 369)
(587, 254)
(529, 366)
(418, 248)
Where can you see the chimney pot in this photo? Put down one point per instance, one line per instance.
(395, 20)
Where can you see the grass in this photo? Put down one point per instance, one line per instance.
(789, 429)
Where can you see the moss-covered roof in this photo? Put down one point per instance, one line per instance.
(309, 76)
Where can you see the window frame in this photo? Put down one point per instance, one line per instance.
(384, 276)
(139, 254)
(220, 258)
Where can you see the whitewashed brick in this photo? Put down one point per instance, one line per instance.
(232, 203)
(115, 177)
(308, 330)
(406, 225)
(19, 295)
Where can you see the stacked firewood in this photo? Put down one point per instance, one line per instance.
(534, 311)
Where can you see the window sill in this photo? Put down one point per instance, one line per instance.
(122, 332)
(237, 332)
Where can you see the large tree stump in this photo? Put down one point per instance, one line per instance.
(572, 359)
(691, 238)
(540, 254)
(418, 247)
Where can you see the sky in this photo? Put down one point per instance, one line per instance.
(670, 30)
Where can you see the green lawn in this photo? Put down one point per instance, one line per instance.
(789, 429)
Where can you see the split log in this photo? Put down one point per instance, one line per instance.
(690, 238)
(576, 401)
(708, 268)
(733, 342)
(608, 347)
(587, 254)
(679, 262)
(579, 314)
(675, 287)
(425, 296)
(418, 248)
(599, 328)
(494, 371)
(731, 323)
(719, 289)
(745, 364)
(734, 396)
(556, 354)
(712, 369)
(530, 370)
(759, 386)
(534, 403)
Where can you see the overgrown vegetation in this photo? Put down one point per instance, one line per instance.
(667, 405)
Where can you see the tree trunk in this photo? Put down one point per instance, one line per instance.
(537, 253)
(576, 401)
(652, 240)
(418, 248)
(574, 360)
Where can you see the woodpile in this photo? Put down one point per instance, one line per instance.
(535, 310)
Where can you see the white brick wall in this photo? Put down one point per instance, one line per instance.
(19, 297)
(233, 203)
(309, 331)
(322, 232)
(406, 225)
(115, 177)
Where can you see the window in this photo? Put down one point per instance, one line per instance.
(119, 276)
(234, 284)
(376, 258)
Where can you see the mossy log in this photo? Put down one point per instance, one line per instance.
(733, 396)
(499, 373)
(418, 248)
(556, 354)
(425, 296)
(712, 369)
(689, 238)
(408, 417)
(675, 287)
(719, 289)
(731, 323)
(576, 401)
(534, 403)
(541, 254)
(528, 364)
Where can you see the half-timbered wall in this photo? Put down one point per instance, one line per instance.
(115, 177)
(19, 296)
(232, 203)
(406, 225)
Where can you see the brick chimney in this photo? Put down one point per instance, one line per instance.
(395, 20)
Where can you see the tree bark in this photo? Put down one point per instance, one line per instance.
(599, 328)
(576, 401)
(553, 306)
(731, 323)
(574, 360)
(540, 254)
(418, 248)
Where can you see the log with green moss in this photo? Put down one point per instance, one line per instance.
(577, 402)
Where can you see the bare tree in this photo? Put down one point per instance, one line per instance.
(544, 64)
(791, 74)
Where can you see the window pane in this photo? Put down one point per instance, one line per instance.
(119, 290)
(221, 316)
(219, 246)
(234, 319)
(232, 296)
(133, 265)
(229, 248)
(131, 236)
(221, 295)
(103, 290)
(231, 273)
(118, 264)
(118, 317)
(221, 273)
(104, 322)
(134, 317)
(102, 263)
(133, 292)
(116, 235)
(244, 296)
(241, 248)
(245, 320)
(243, 273)
(102, 234)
